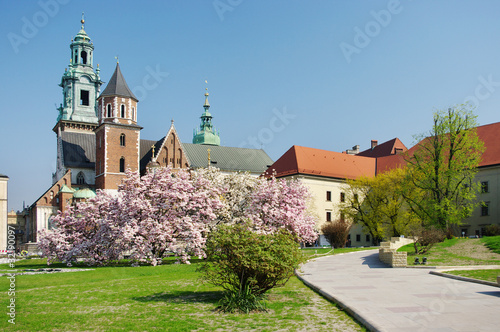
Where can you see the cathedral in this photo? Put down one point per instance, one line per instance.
(98, 139)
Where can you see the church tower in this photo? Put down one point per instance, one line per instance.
(77, 118)
(118, 135)
(206, 134)
(80, 84)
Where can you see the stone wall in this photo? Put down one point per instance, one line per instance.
(388, 252)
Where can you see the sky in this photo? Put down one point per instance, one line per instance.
(320, 74)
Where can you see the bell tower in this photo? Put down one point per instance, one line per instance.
(117, 135)
(77, 118)
(80, 83)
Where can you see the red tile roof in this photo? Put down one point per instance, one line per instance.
(490, 134)
(385, 149)
(310, 161)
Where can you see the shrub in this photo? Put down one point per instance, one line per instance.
(492, 230)
(247, 264)
(336, 233)
(426, 238)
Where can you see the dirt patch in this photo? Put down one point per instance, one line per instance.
(469, 252)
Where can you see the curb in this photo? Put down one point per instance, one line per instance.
(365, 322)
(477, 281)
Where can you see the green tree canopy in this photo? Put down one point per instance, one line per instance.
(440, 185)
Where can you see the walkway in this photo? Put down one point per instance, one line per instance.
(403, 299)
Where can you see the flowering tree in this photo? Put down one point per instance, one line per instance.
(169, 213)
(90, 231)
(282, 204)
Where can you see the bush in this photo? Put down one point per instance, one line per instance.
(426, 238)
(492, 230)
(336, 233)
(248, 264)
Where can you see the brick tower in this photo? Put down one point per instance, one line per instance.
(118, 135)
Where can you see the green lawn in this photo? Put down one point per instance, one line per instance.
(458, 252)
(165, 298)
(313, 251)
(487, 275)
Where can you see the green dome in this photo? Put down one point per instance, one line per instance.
(85, 193)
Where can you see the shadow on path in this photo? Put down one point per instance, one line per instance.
(373, 262)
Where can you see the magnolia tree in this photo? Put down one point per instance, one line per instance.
(165, 213)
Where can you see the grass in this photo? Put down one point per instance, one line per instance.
(169, 297)
(458, 252)
(492, 242)
(487, 275)
(312, 251)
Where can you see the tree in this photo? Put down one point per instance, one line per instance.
(336, 232)
(247, 264)
(377, 204)
(441, 190)
(169, 213)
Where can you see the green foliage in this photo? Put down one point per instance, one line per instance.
(493, 230)
(336, 233)
(493, 243)
(247, 264)
(440, 187)
(377, 204)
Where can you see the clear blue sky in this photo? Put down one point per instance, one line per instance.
(322, 74)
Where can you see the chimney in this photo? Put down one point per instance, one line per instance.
(374, 143)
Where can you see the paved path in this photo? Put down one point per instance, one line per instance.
(403, 299)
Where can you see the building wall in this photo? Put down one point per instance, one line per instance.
(3, 211)
(481, 217)
(318, 187)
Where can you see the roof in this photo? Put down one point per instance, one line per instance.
(489, 135)
(78, 149)
(146, 153)
(310, 161)
(3, 176)
(227, 158)
(85, 193)
(117, 86)
(385, 149)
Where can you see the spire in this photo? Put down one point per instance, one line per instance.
(83, 21)
(206, 134)
(117, 86)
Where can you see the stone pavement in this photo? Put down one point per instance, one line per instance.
(402, 299)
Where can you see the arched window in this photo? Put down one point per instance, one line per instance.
(122, 140)
(109, 110)
(84, 57)
(80, 178)
(122, 165)
(133, 113)
(122, 111)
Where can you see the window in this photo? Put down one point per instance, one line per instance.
(358, 237)
(464, 232)
(84, 98)
(122, 140)
(342, 216)
(367, 237)
(328, 216)
(133, 113)
(356, 198)
(484, 187)
(485, 209)
(84, 57)
(329, 196)
(122, 165)
(109, 110)
(122, 111)
(80, 178)
(342, 197)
